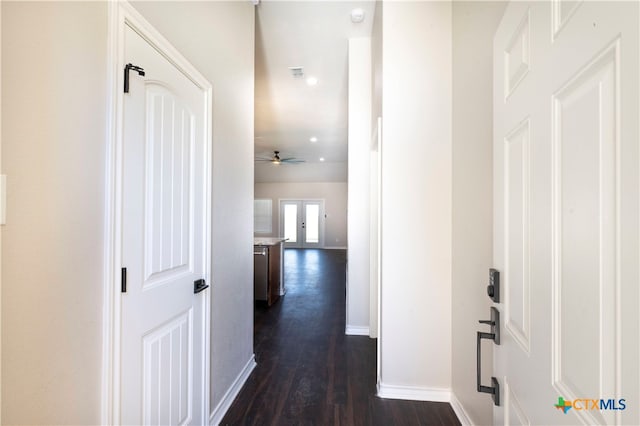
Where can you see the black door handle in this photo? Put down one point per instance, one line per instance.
(199, 285)
(494, 389)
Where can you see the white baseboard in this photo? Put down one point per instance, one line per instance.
(334, 248)
(414, 393)
(458, 408)
(356, 330)
(221, 409)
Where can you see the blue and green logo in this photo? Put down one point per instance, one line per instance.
(563, 405)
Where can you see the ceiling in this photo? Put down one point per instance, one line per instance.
(288, 112)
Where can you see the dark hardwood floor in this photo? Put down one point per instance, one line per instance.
(309, 372)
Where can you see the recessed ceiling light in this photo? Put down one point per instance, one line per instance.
(321, 158)
(357, 15)
(313, 139)
(312, 81)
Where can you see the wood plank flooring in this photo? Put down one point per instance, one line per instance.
(309, 372)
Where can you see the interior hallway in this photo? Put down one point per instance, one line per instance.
(309, 371)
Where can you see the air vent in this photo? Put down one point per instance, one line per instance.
(297, 72)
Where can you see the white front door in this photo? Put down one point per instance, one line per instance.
(164, 210)
(566, 212)
(302, 223)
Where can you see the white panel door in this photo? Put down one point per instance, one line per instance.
(163, 243)
(566, 212)
(302, 223)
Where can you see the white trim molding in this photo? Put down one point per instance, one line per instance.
(223, 406)
(110, 407)
(461, 413)
(334, 248)
(356, 330)
(414, 393)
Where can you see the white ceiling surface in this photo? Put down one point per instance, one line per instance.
(288, 112)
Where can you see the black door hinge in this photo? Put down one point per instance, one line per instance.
(123, 280)
(128, 67)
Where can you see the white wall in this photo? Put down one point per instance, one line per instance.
(415, 327)
(218, 39)
(308, 172)
(53, 144)
(357, 319)
(335, 206)
(474, 24)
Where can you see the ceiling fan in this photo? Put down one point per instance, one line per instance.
(277, 160)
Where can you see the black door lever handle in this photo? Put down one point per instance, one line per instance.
(494, 335)
(199, 285)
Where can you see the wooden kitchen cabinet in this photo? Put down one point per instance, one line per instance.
(268, 269)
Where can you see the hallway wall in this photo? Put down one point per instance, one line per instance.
(474, 24)
(375, 170)
(359, 112)
(54, 63)
(415, 320)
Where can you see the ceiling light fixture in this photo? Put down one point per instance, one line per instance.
(357, 16)
(312, 81)
(321, 158)
(313, 139)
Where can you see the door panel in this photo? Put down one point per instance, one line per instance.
(566, 213)
(584, 146)
(517, 189)
(168, 213)
(163, 242)
(167, 395)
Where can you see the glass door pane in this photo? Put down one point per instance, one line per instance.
(312, 223)
(291, 222)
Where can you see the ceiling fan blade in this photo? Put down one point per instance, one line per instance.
(263, 159)
(291, 160)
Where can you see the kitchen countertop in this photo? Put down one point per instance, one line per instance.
(268, 241)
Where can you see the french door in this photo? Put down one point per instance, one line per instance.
(302, 223)
(566, 213)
